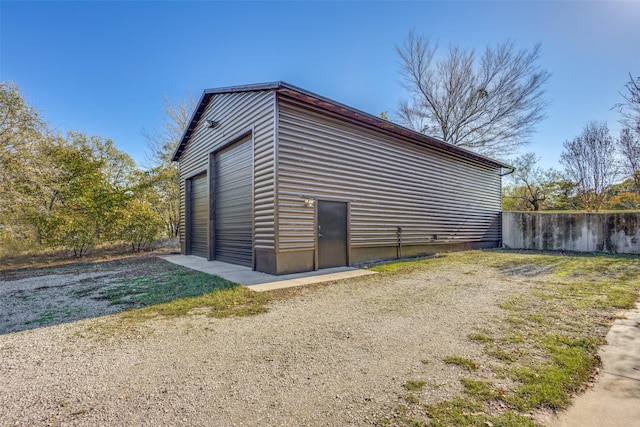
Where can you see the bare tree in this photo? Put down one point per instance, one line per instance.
(163, 174)
(630, 109)
(590, 162)
(163, 142)
(629, 141)
(490, 105)
(629, 145)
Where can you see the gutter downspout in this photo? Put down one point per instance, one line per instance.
(511, 170)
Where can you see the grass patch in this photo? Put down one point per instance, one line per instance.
(464, 363)
(480, 338)
(403, 266)
(503, 355)
(414, 385)
(551, 385)
(514, 338)
(236, 300)
(410, 398)
(546, 341)
(179, 291)
(480, 390)
(469, 412)
(170, 291)
(459, 411)
(163, 287)
(44, 318)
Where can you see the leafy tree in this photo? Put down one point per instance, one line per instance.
(139, 224)
(532, 185)
(20, 126)
(105, 175)
(88, 186)
(564, 196)
(163, 192)
(490, 105)
(514, 198)
(65, 217)
(559, 194)
(590, 162)
(72, 190)
(163, 176)
(623, 195)
(64, 228)
(22, 135)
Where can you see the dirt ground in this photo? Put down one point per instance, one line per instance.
(336, 354)
(36, 297)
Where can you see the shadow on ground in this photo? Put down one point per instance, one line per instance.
(33, 298)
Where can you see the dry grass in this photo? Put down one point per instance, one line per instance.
(545, 342)
(12, 261)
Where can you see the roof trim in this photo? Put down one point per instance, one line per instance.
(204, 101)
(324, 103)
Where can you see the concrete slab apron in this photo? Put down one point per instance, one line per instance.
(615, 399)
(262, 282)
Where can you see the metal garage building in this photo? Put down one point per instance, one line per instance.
(282, 180)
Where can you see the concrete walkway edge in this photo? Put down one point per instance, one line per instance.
(261, 282)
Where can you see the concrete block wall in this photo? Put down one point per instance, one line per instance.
(580, 232)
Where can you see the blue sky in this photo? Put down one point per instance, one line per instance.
(104, 68)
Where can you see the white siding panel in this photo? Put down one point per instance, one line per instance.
(389, 181)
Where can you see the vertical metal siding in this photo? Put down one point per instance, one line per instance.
(233, 223)
(391, 183)
(236, 113)
(199, 215)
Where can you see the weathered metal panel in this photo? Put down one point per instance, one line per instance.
(237, 114)
(434, 196)
(233, 204)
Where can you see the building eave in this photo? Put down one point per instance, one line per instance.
(323, 103)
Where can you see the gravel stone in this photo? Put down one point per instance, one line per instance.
(336, 354)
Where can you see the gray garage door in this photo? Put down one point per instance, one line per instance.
(234, 176)
(199, 215)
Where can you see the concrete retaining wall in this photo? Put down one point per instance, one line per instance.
(580, 232)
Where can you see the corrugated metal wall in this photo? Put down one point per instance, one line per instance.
(237, 113)
(390, 182)
(234, 180)
(199, 215)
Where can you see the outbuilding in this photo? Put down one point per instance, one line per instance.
(283, 180)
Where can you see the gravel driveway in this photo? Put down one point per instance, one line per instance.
(336, 354)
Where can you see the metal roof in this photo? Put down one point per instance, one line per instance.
(322, 102)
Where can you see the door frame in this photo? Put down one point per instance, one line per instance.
(211, 168)
(188, 220)
(316, 249)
